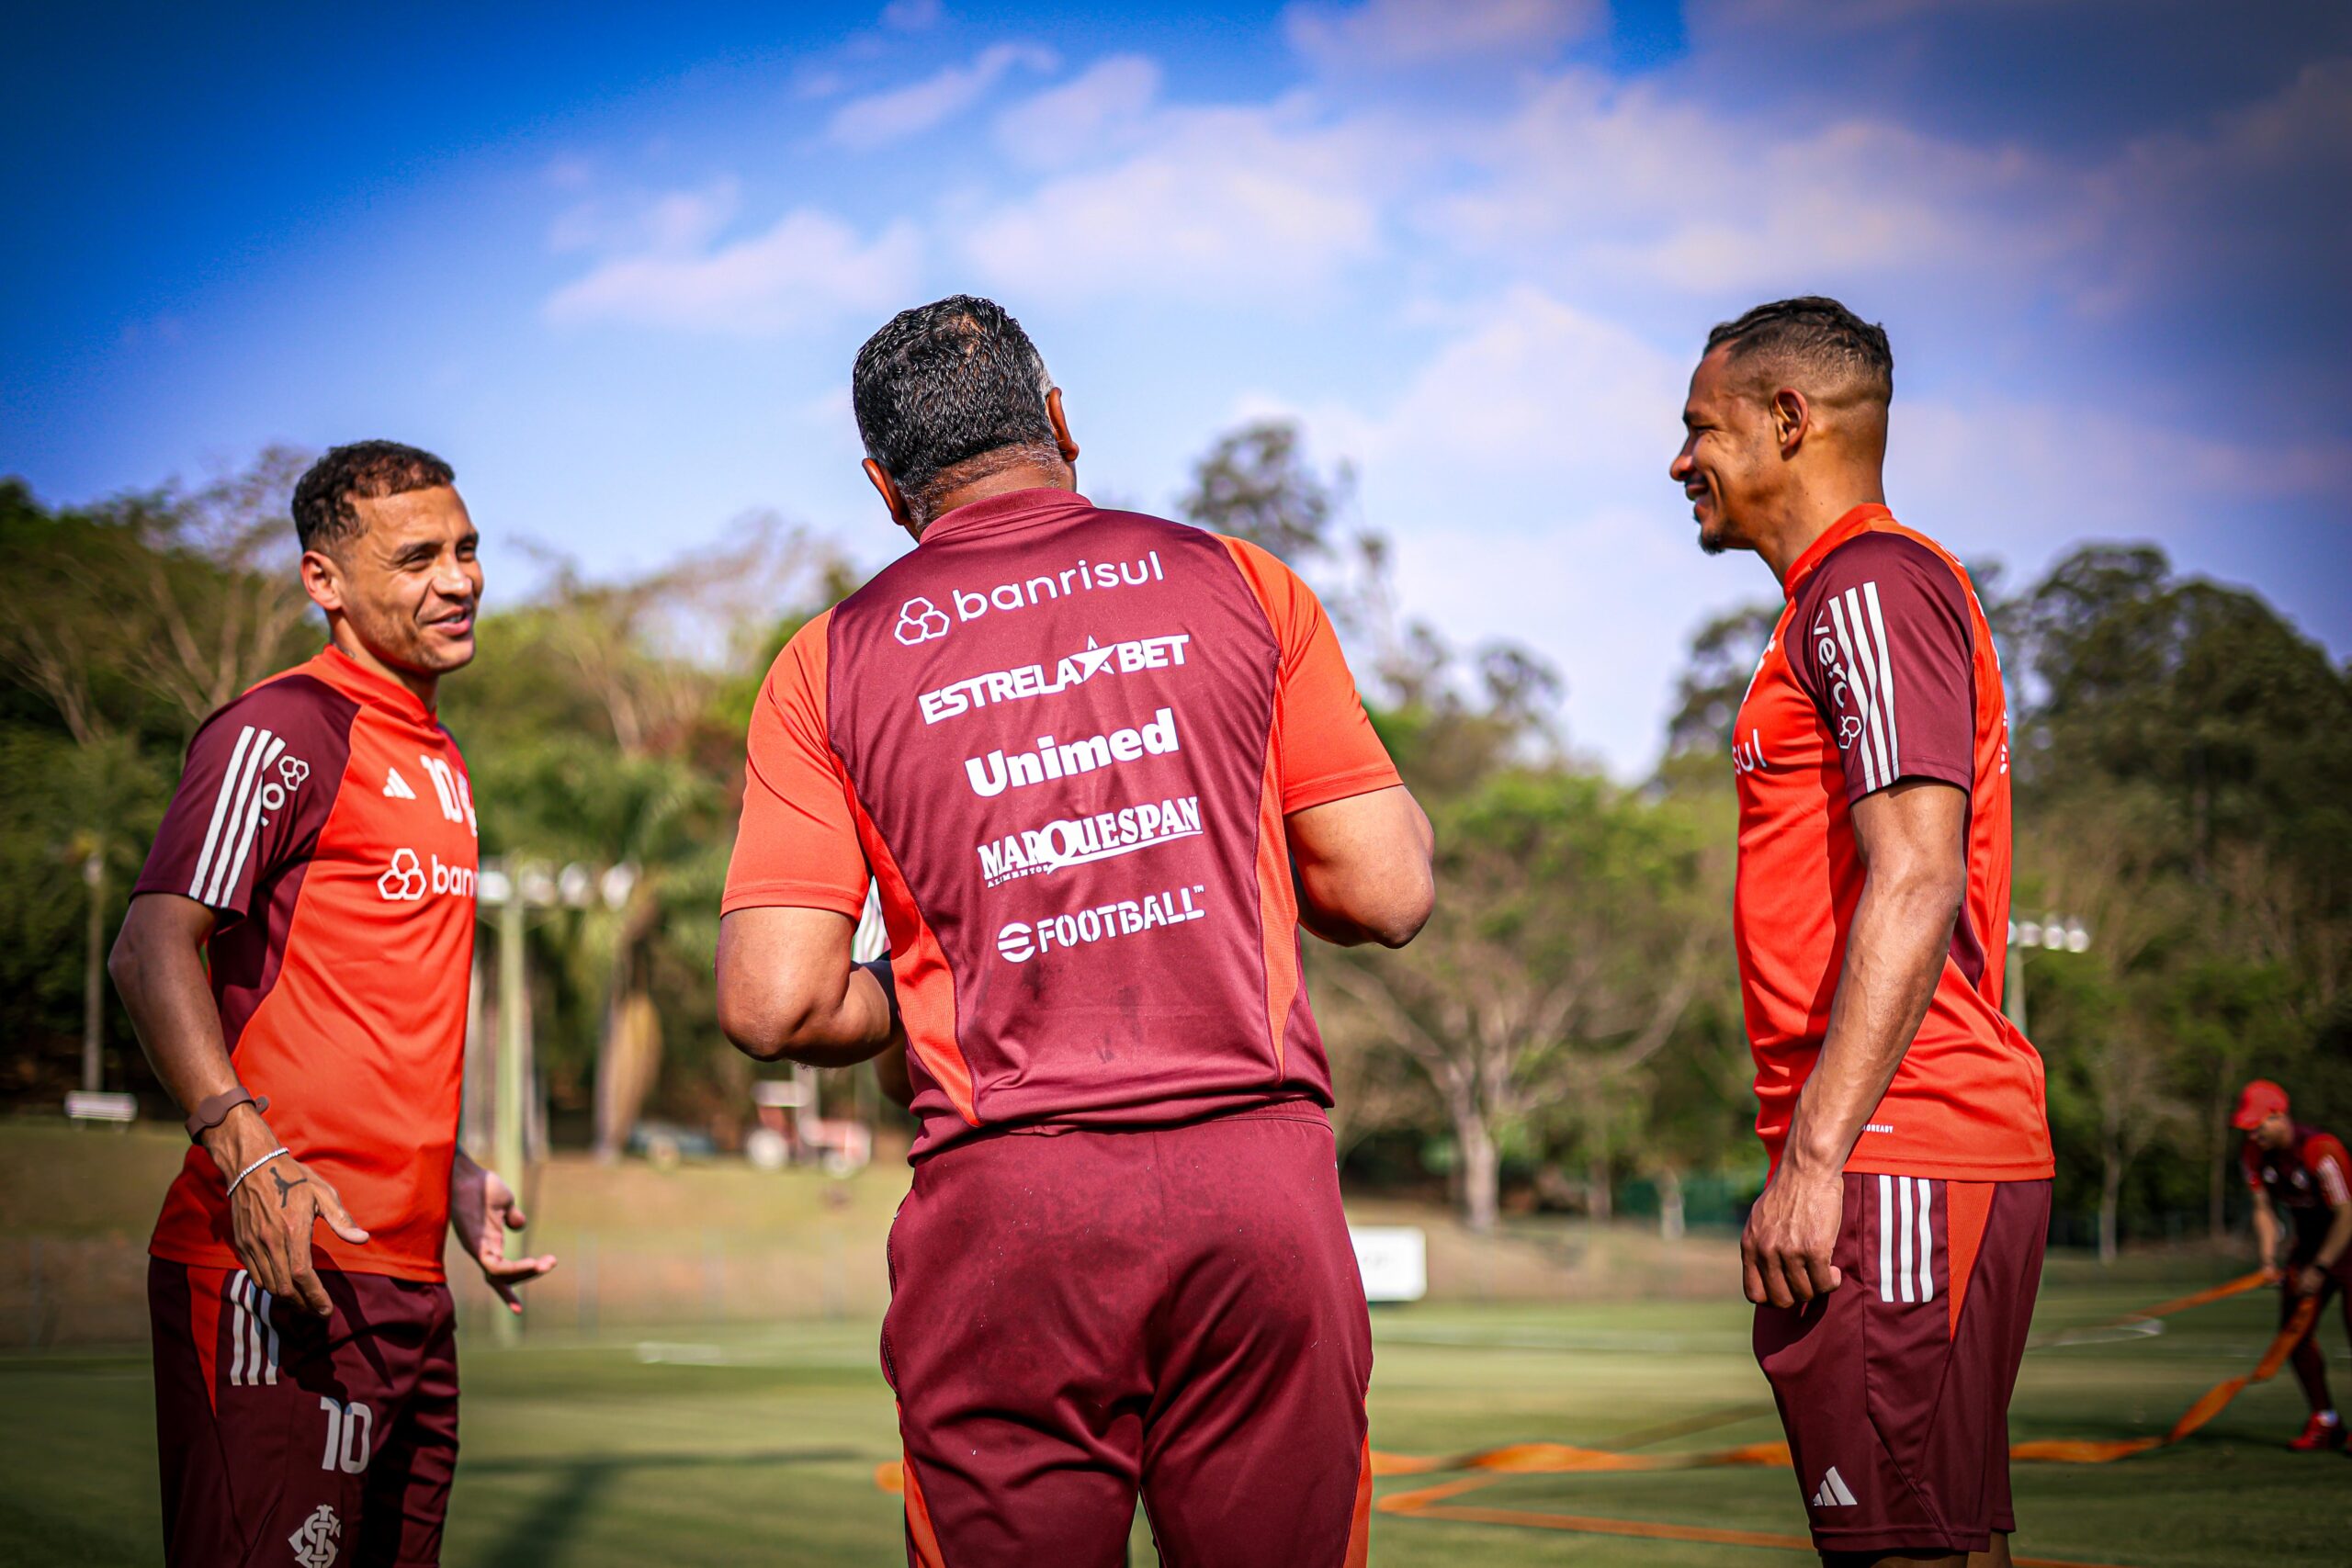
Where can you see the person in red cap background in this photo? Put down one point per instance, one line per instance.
(2307, 1173)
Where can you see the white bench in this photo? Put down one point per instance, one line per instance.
(86, 1105)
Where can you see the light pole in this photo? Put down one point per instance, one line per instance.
(509, 895)
(2051, 933)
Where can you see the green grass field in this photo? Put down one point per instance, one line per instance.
(707, 1446)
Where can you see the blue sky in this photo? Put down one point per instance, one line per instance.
(615, 269)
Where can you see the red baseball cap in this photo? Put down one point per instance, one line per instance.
(2260, 1098)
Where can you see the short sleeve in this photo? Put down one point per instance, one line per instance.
(1326, 747)
(1889, 660)
(2249, 1166)
(798, 844)
(259, 782)
(2330, 1169)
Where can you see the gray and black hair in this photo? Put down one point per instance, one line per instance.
(1819, 334)
(950, 386)
(323, 516)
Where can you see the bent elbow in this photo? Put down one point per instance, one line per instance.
(1404, 922)
(763, 1031)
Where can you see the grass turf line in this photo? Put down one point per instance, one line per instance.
(592, 1457)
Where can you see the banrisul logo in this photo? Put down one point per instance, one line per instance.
(1078, 841)
(999, 771)
(921, 620)
(1018, 941)
(1075, 669)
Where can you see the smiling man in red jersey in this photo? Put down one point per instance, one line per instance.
(1103, 767)
(296, 961)
(2305, 1172)
(1894, 1254)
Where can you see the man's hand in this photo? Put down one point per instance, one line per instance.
(273, 1209)
(2310, 1281)
(481, 1210)
(1791, 1234)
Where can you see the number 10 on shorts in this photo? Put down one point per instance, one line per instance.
(351, 1430)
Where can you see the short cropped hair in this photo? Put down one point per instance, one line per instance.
(945, 383)
(1816, 334)
(323, 514)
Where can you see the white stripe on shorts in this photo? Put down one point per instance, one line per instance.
(1927, 1240)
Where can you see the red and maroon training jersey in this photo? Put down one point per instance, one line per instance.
(2307, 1179)
(326, 818)
(1881, 668)
(1064, 742)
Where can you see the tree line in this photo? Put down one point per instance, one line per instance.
(1566, 1034)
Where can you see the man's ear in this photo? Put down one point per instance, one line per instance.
(322, 580)
(1792, 419)
(892, 498)
(1061, 427)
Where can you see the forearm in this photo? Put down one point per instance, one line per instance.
(1894, 953)
(2266, 1231)
(164, 991)
(2339, 1236)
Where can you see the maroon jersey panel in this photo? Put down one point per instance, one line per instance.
(1888, 656)
(261, 779)
(1065, 755)
(2306, 1179)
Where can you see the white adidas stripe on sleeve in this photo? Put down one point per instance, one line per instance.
(248, 809)
(232, 783)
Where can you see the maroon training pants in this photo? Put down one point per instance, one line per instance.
(1079, 1316)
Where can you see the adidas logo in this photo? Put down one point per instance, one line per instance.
(1833, 1491)
(396, 787)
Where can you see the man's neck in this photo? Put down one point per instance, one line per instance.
(425, 689)
(1813, 511)
(1004, 481)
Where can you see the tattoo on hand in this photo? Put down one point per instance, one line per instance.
(285, 1188)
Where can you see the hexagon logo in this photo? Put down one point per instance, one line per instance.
(404, 881)
(920, 621)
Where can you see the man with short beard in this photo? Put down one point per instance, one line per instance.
(1894, 1254)
(296, 960)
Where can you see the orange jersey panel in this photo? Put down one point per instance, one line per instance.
(327, 820)
(1881, 667)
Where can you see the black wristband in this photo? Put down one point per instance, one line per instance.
(210, 1113)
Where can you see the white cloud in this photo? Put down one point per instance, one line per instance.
(1255, 204)
(1420, 32)
(1067, 124)
(1631, 183)
(807, 268)
(880, 119)
(674, 221)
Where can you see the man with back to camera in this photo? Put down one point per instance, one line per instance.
(1102, 766)
(318, 860)
(2306, 1172)
(1896, 1248)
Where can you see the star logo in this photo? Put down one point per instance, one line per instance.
(920, 621)
(403, 880)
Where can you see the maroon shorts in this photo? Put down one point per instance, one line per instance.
(1894, 1389)
(290, 1441)
(1081, 1317)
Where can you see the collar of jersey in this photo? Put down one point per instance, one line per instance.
(1014, 509)
(348, 675)
(1854, 522)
